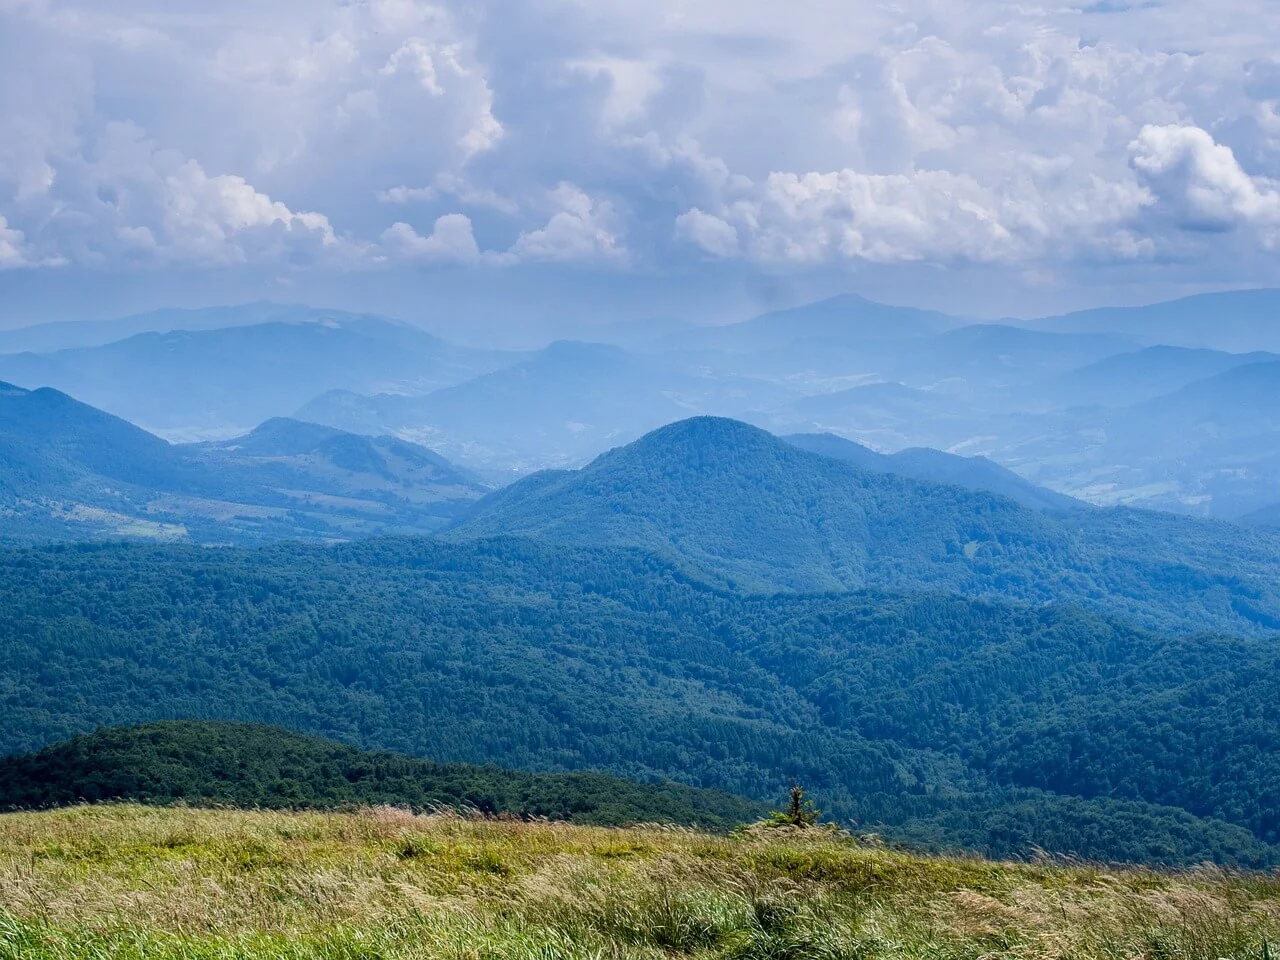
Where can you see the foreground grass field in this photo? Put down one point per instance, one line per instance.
(163, 884)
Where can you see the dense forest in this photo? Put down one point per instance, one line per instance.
(737, 506)
(250, 765)
(946, 720)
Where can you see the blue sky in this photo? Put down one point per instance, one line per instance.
(616, 159)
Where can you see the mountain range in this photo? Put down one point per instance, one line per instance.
(1081, 404)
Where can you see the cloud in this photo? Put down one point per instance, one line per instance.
(132, 200)
(415, 56)
(712, 234)
(1202, 182)
(451, 241)
(581, 230)
(1030, 138)
(205, 217)
(451, 185)
(927, 215)
(13, 248)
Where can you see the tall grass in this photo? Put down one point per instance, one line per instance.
(140, 883)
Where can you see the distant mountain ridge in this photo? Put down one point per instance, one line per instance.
(188, 384)
(1130, 378)
(1235, 320)
(68, 334)
(562, 406)
(847, 318)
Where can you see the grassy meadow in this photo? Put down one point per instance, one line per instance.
(118, 881)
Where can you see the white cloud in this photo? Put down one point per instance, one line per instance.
(451, 241)
(204, 215)
(415, 56)
(451, 185)
(13, 248)
(1203, 182)
(582, 229)
(927, 215)
(712, 234)
(1028, 136)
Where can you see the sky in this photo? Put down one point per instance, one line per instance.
(523, 161)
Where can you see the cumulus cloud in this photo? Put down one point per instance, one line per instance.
(451, 241)
(1202, 181)
(927, 215)
(712, 234)
(451, 185)
(13, 252)
(799, 135)
(582, 229)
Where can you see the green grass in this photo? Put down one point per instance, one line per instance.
(141, 883)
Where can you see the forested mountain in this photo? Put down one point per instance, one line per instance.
(193, 384)
(733, 503)
(972, 473)
(68, 470)
(248, 765)
(952, 721)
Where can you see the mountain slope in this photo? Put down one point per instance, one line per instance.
(737, 504)
(70, 470)
(920, 463)
(244, 765)
(67, 470)
(185, 384)
(930, 714)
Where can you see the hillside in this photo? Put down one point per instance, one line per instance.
(733, 503)
(131, 883)
(921, 463)
(243, 765)
(954, 723)
(216, 383)
(70, 471)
